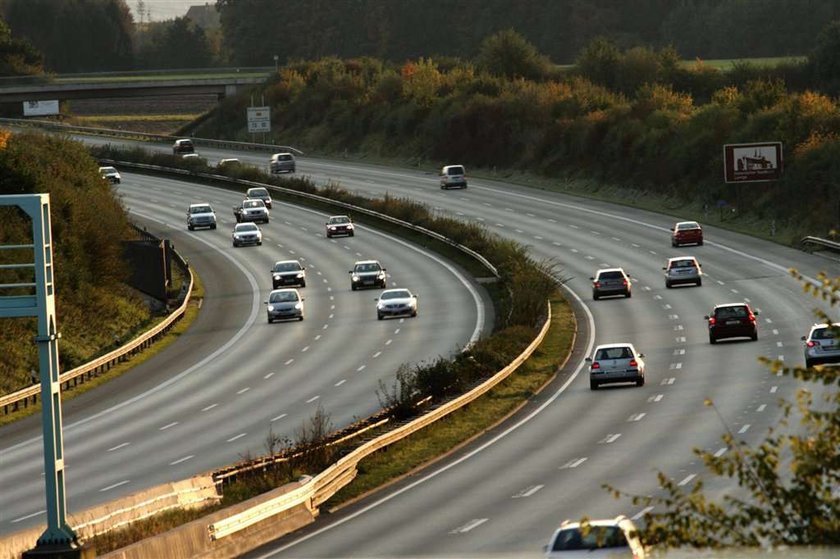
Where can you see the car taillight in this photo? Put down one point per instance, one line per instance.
(624, 282)
(711, 321)
(812, 343)
(633, 363)
(597, 284)
(596, 365)
(752, 317)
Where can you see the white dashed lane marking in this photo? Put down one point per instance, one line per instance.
(165, 427)
(527, 492)
(114, 485)
(687, 479)
(119, 446)
(279, 417)
(184, 459)
(573, 463)
(469, 526)
(236, 437)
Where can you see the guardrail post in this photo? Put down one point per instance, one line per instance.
(58, 540)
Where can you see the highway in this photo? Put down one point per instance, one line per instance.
(212, 398)
(505, 493)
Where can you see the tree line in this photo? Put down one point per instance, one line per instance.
(103, 35)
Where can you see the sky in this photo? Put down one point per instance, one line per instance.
(165, 9)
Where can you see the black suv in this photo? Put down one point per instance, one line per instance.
(733, 320)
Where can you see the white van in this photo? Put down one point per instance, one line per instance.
(453, 176)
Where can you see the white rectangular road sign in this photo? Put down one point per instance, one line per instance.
(259, 119)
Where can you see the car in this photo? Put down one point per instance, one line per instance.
(288, 272)
(259, 193)
(683, 269)
(396, 302)
(251, 210)
(282, 163)
(615, 537)
(110, 174)
(612, 363)
(367, 273)
(732, 320)
(246, 234)
(194, 157)
(339, 225)
(822, 344)
(228, 163)
(611, 281)
(284, 304)
(686, 233)
(453, 176)
(201, 215)
(183, 146)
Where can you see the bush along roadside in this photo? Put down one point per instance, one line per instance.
(520, 294)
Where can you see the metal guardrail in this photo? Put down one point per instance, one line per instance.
(11, 402)
(326, 484)
(825, 243)
(142, 136)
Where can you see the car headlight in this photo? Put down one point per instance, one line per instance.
(332, 227)
(381, 275)
(300, 275)
(276, 276)
(349, 225)
(271, 308)
(298, 306)
(355, 278)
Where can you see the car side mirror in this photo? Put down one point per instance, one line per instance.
(588, 360)
(641, 355)
(350, 272)
(706, 317)
(803, 338)
(590, 277)
(756, 313)
(664, 268)
(265, 302)
(415, 296)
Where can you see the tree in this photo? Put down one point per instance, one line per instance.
(825, 58)
(178, 43)
(787, 485)
(598, 62)
(508, 54)
(18, 57)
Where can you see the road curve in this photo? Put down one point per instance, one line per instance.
(212, 397)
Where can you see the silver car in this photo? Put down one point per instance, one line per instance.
(282, 163)
(201, 215)
(683, 269)
(259, 193)
(110, 174)
(396, 302)
(611, 281)
(613, 363)
(822, 344)
(246, 234)
(284, 304)
(251, 210)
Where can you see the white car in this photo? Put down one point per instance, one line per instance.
(613, 363)
(453, 176)
(396, 302)
(246, 234)
(110, 174)
(683, 269)
(251, 210)
(822, 345)
(201, 215)
(616, 537)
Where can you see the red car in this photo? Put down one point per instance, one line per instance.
(686, 233)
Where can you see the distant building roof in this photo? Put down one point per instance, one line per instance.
(206, 16)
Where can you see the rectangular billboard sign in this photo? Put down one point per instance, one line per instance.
(259, 119)
(758, 162)
(40, 108)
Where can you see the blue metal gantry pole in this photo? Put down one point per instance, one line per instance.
(37, 298)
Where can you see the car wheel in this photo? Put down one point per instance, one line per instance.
(712, 339)
(754, 337)
(190, 228)
(628, 294)
(593, 385)
(213, 226)
(699, 282)
(700, 243)
(352, 234)
(329, 236)
(275, 286)
(353, 287)
(259, 243)
(596, 297)
(269, 320)
(414, 314)
(640, 381)
(668, 284)
(300, 318)
(809, 363)
(379, 316)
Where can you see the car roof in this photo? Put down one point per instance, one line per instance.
(247, 225)
(281, 153)
(394, 290)
(608, 346)
(366, 262)
(618, 520)
(731, 305)
(258, 188)
(201, 204)
(286, 262)
(609, 270)
(450, 166)
(692, 223)
(284, 290)
(678, 258)
(335, 216)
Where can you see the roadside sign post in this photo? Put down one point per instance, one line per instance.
(259, 120)
(36, 298)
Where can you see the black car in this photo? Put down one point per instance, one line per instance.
(339, 225)
(733, 320)
(288, 272)
(367, 273)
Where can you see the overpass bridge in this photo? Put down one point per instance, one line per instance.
(103, 86)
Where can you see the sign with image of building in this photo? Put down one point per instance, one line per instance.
(758, 162)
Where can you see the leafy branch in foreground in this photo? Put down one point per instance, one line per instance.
(789, 485)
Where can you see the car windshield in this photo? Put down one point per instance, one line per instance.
(246, 228)
(610, 275)
(284, 157)
(200, 209)
(258, 193)
(283, 297)
(822, 334)
(455, 171)
(401, 294)
(107, 170)
(731, 312)
(613, 353)
(596, 537)
(370, 267)
(252, 204)
(682, 264)
(688, 225)
(286, 267)
(339, 219)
